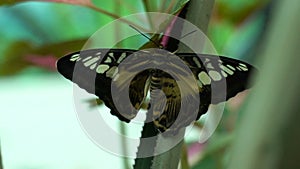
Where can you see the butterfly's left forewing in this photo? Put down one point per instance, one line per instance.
(95, 69)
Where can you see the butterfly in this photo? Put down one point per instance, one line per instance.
(123, 85)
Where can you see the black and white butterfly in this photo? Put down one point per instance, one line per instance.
(97, 70)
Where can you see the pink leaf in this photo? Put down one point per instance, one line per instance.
(76, 2)
(195, 151)
(47, 62)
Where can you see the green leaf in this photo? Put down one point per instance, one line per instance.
(10, 2)
(13, 62)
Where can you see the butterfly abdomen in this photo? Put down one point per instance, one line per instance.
(155, 80)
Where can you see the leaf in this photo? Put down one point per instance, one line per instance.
(47, 62)
(75, 2)
(238, 11)
(21, 55)
(9, 2)
(13, 62)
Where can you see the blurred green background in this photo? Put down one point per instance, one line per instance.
(38, 124)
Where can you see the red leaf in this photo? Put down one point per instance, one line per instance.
(47, 62)
(76, 2)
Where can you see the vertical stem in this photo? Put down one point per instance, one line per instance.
(1, 164)
(269, 133)
(170, 159)
(148, 131)
(184, 158)
(198, 13)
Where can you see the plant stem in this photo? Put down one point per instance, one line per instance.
(1, 164)
(184, 158)
(170, 159)
(148, 131)
(269, 133)
(198, 13)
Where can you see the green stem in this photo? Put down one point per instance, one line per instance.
(184, 158)
(124, 146)
(170, 159)
(149, 130)
(1, 164)
(199, 13)
(269, 133)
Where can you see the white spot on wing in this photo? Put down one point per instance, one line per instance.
(107, 60)
(75, 57)
(199, 83)
(112, 72)
(228, 71)
(243, 68)
(243, 65)
(111, 54)
(116, 77)
(204, 78)
(231, 67)
(196, 60)
(216, 76)
(206, 60)
(102, 68)
(122, 57)
(210, 66)
(87, 58)
(223, 73)
(91, 61)
(93, 66)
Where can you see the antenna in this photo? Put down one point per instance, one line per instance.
(187, 34)
(158, 45)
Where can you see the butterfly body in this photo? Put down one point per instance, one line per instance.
(181, 85)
